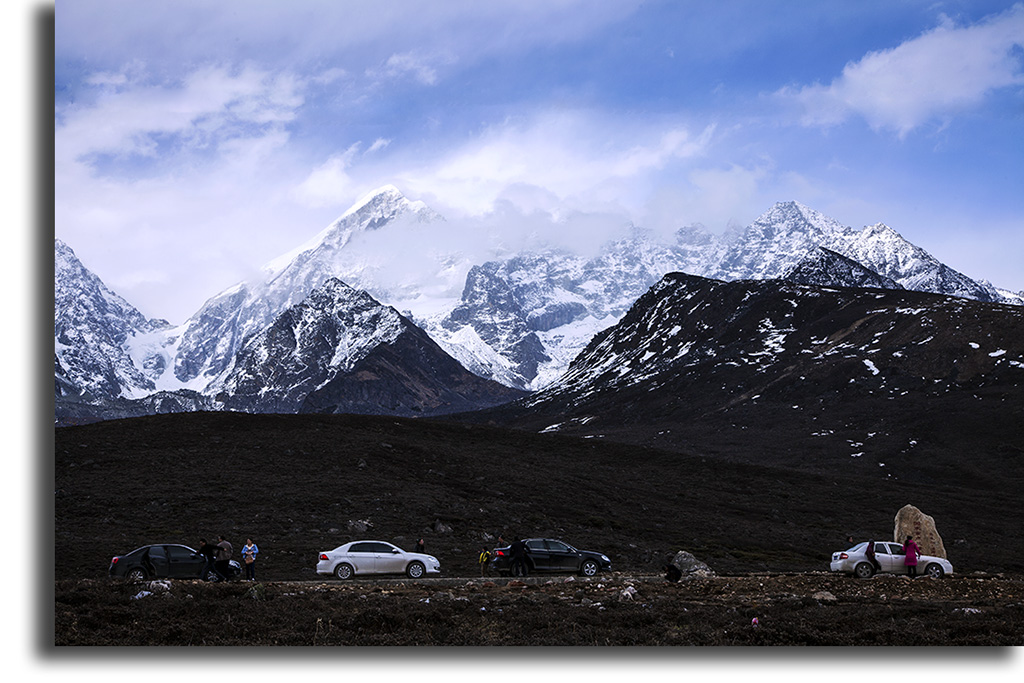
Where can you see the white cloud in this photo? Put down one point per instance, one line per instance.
(934, 75)
(587, 162)
(131, 116)
(421, 68)
(329, 182)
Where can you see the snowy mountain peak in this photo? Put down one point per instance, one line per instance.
(377, 209)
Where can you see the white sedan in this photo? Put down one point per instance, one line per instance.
(890, 557)
(375, 557)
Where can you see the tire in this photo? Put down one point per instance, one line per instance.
(588, 568)
(934, 571)
(343, 571)
(135, 575)
(864, 570)
(415, 570)
(211, 576)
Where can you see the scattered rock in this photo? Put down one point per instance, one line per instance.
(440, 527)
(688, 565)
(257, 592)
(824, 596)
(359, 525)
(912, 522)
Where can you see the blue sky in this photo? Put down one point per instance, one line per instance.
(196, 141)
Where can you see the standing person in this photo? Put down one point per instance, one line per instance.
(209, 551)
(518, 552)
(419, 546)
(910, 554)
(870, 552)
(224, 552)
(249, 552)
(485, 556)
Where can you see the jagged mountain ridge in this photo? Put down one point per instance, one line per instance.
(846, 373)
(522, 319)
(211, 338)
(340, 351)
(92, 330)
(827, 268)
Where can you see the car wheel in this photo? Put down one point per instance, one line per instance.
(211, 576)
(934, 571)
(864, 570)
(343, 571)
(415, 570)
(136, 575)
(588, 568)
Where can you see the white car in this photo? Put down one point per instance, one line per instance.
(890, 556)
(375, 557)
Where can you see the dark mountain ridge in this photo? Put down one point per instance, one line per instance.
(904, 383)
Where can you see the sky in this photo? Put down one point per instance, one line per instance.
(196, 141)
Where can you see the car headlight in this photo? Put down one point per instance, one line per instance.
(605, 558)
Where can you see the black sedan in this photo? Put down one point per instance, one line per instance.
(551, 555)
(164, 561)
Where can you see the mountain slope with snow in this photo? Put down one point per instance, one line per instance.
(93, 329)
(844, 372)
(519, 320)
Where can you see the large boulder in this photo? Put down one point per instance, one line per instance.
(912, 522)
(689, 565)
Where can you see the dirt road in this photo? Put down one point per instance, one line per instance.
(815, 608)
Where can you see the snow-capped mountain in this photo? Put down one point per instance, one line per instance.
(93, 328)
(340, 351)
(827, 268)
(527, 316)
(695, 355)
(210, 339)
(789, 232)
(519, 320)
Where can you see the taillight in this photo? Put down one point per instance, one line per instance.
(499, 553)
(114, 561)
(323, 556)
(843, 556)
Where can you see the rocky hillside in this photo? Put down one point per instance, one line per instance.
(904, 383)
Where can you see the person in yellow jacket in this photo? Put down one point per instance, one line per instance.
(485, 557)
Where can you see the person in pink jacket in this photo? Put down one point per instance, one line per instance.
(911, 554)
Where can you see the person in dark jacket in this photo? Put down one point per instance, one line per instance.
(420, 548)
(518, 567)
(209, 551)
(870, 552)
(224, 553)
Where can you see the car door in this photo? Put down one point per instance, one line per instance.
(883, 557)
(184, 562)
(896, 557)
(389, 559)
(537, 555)
(562, 557)
(159, 567)
(363, 557)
